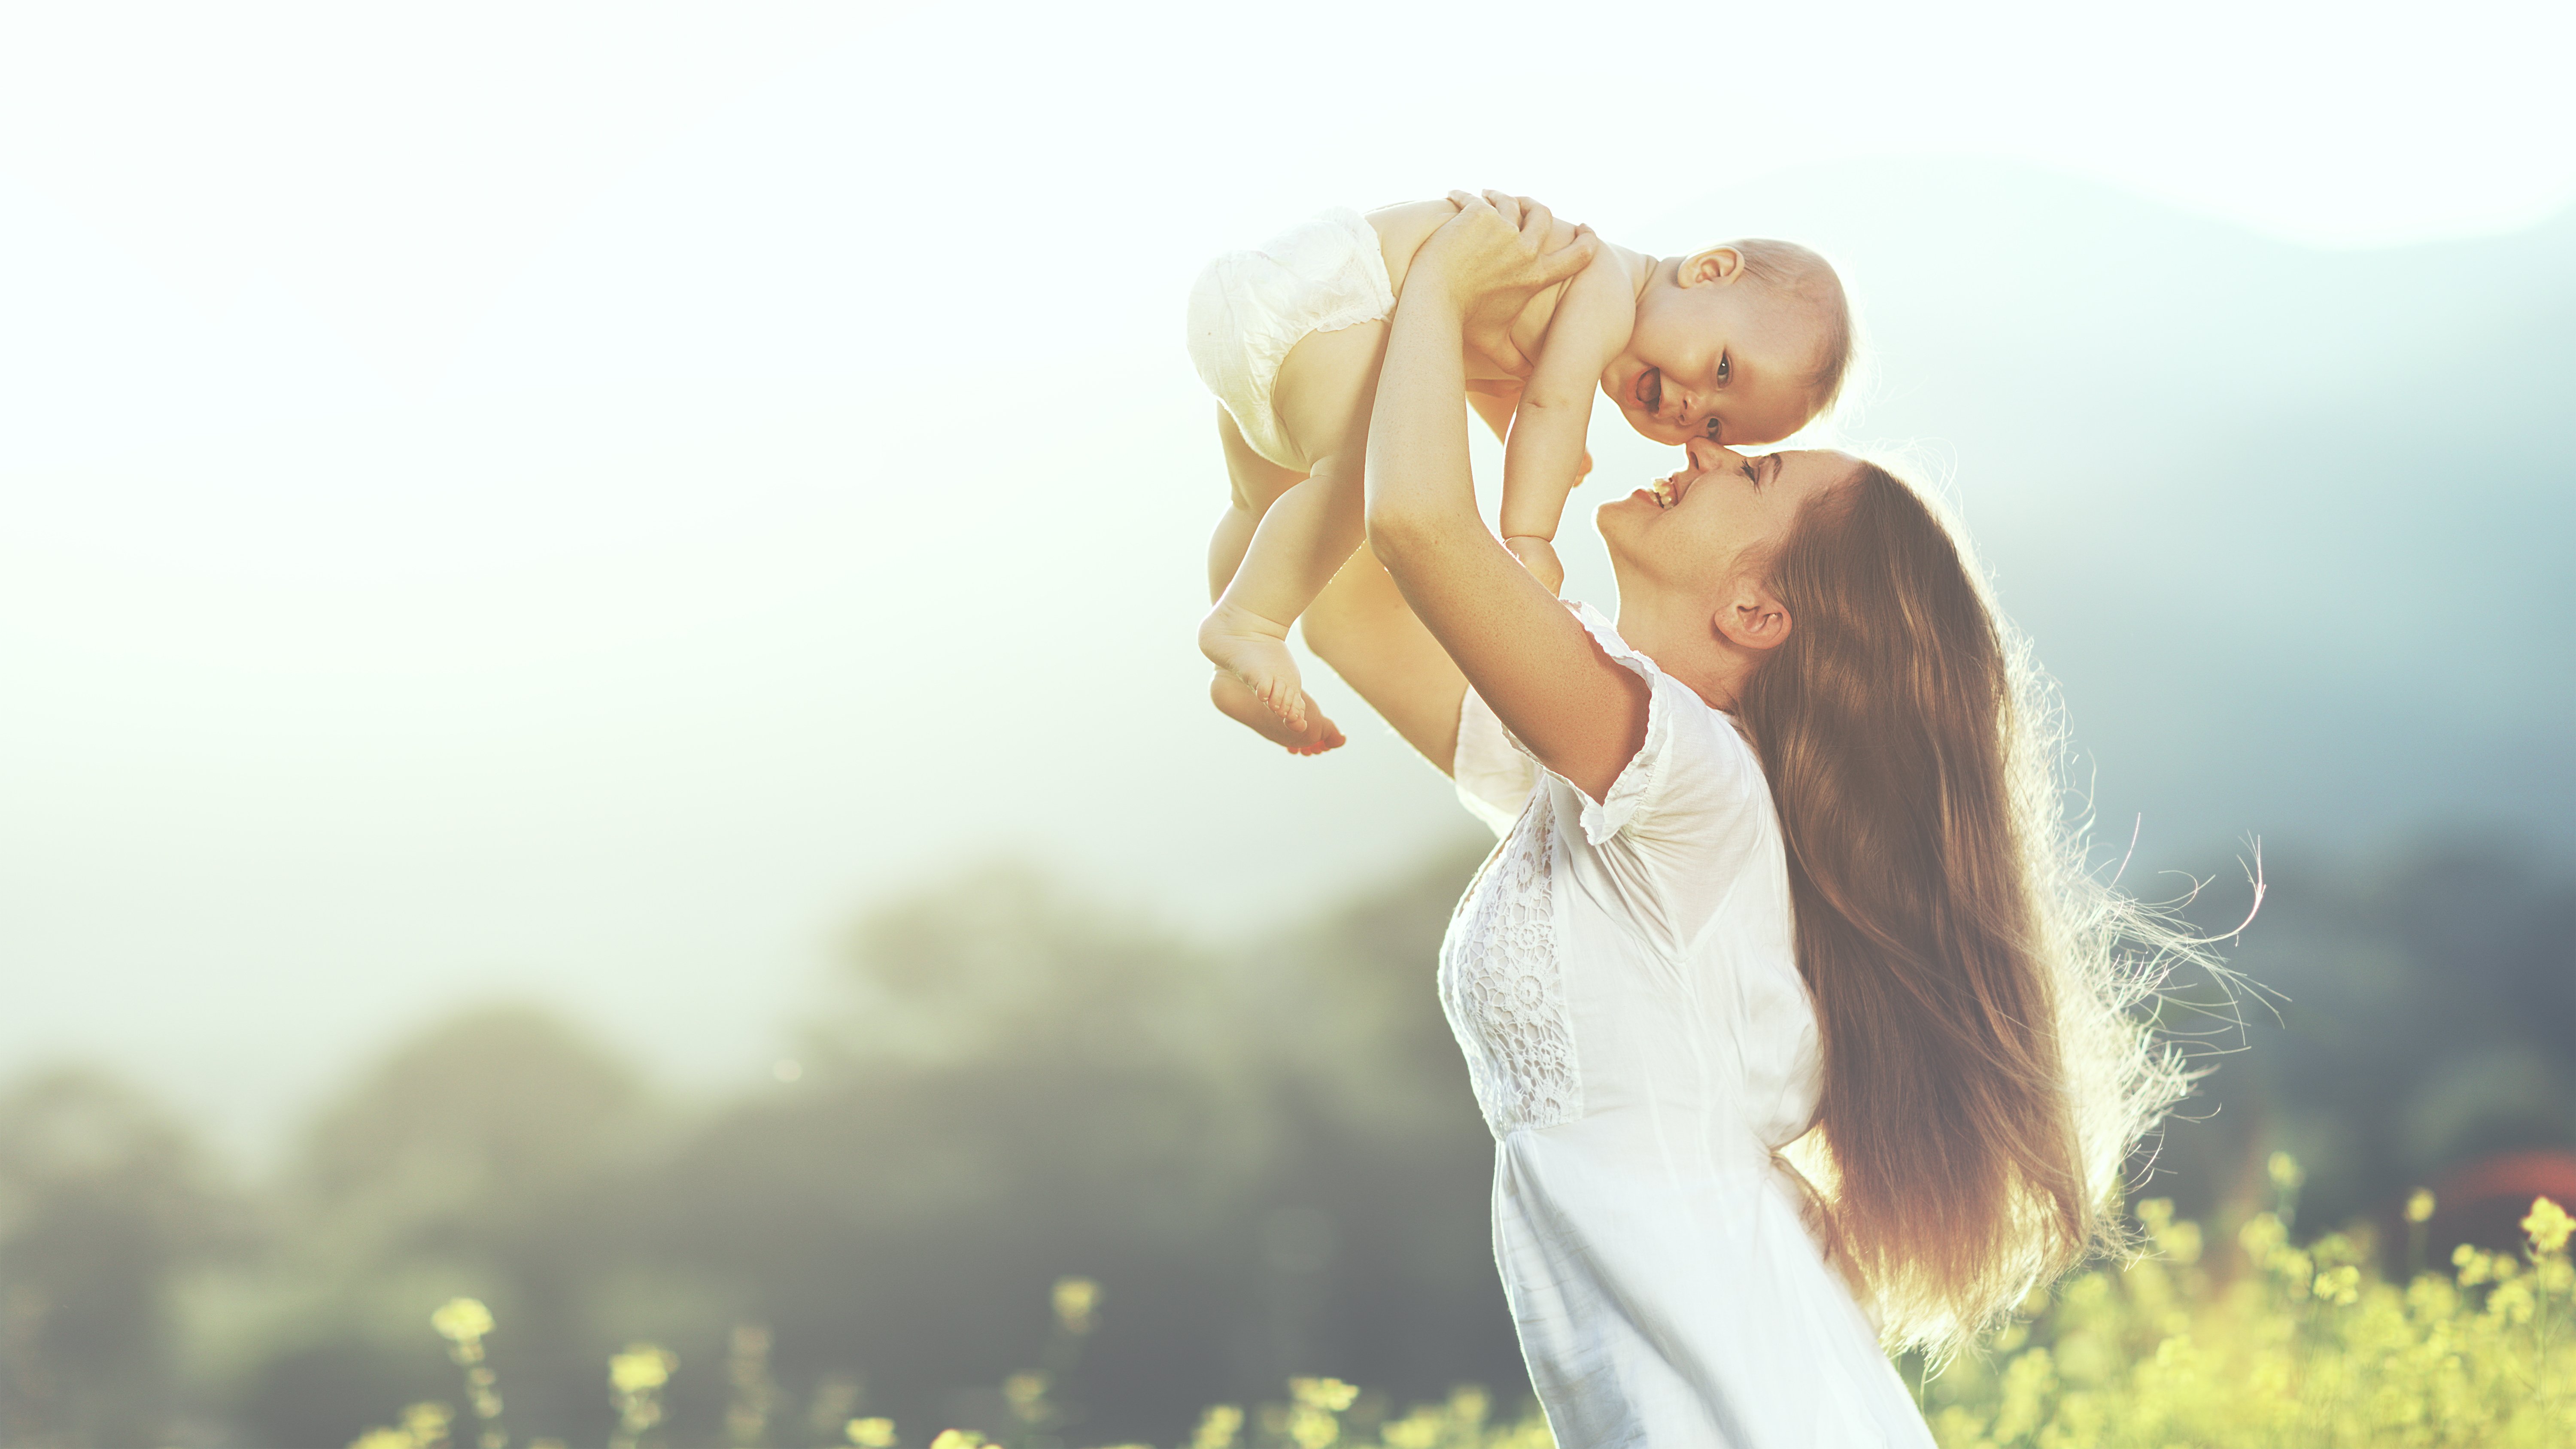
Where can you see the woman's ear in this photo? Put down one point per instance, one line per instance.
(1717, 264)
(1753, 617)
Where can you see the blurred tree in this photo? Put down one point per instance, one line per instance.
(491, 1156)
(1391, 1177)
(2426, 1017)
(1268, 1159)
(103, 1200)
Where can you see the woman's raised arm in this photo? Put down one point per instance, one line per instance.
(1583, 715)
(1363, 628)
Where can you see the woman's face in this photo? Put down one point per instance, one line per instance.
(1683, 536)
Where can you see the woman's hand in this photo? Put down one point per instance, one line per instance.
(1491, 258)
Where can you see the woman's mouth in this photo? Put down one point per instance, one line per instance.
(1648, 389)
(1668, 491)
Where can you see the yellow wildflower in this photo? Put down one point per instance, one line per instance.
(1217, 1428)
(1330, 1395)
(461, 1320)
(2285, 1171)
(642, 1366)
(2419, 1206)
(1417, 1430)
(870, 1433)
(1075, 1298)
(2547, 1226)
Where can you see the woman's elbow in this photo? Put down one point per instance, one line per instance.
(1396, 533)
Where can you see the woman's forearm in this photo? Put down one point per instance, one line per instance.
(1418, 487)
(1362, 627)
(1524, 654)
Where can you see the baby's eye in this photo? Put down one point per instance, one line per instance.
(1725, 367)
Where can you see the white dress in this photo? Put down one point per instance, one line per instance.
(1623, 980)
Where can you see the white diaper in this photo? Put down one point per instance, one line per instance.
(1249, 308)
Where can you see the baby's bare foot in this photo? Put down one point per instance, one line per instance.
(1255, 650)
(1236, 700)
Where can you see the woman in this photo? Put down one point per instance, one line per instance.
(1772, 862)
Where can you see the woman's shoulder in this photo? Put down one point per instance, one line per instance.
(1694, 768)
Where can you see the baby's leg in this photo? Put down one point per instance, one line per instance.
(1227, 690)
(1255, 674)
(1301, 541)
(1322, 394)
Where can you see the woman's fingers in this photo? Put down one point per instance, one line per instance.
(1496, 251)
(1532, 217)
(1571, 258)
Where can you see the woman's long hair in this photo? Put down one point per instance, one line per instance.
(1985, 1076)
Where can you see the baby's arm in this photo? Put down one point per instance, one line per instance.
(1543, 458)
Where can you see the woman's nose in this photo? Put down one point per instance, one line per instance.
(1706, 455)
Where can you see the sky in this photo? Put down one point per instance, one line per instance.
(573, 502)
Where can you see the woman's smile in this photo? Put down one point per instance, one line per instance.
(1706, 458)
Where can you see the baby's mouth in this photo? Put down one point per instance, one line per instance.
(1649, 389)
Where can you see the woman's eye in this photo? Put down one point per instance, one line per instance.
(1749, 473)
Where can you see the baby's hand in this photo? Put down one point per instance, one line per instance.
(1539, 557)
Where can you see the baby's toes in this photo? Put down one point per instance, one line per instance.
(1310, 720)
(1287, 701)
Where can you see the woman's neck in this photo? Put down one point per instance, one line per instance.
(1685, 646)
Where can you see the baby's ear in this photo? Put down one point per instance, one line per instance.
(1717, 264)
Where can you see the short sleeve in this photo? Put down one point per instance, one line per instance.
(1638, 780)
(1494, 775)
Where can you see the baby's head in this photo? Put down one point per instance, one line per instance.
(1742, 343)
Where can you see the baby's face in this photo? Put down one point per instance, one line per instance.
(1726, 359)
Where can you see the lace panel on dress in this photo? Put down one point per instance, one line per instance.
(1502, 990)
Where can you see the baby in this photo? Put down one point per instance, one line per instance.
(1743, 343)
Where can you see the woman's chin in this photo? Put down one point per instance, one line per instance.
(1613, 519)
(1641, 502)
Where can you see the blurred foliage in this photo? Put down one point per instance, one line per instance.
(103, 1201)
(2417, 1013)
(1056, 1173)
